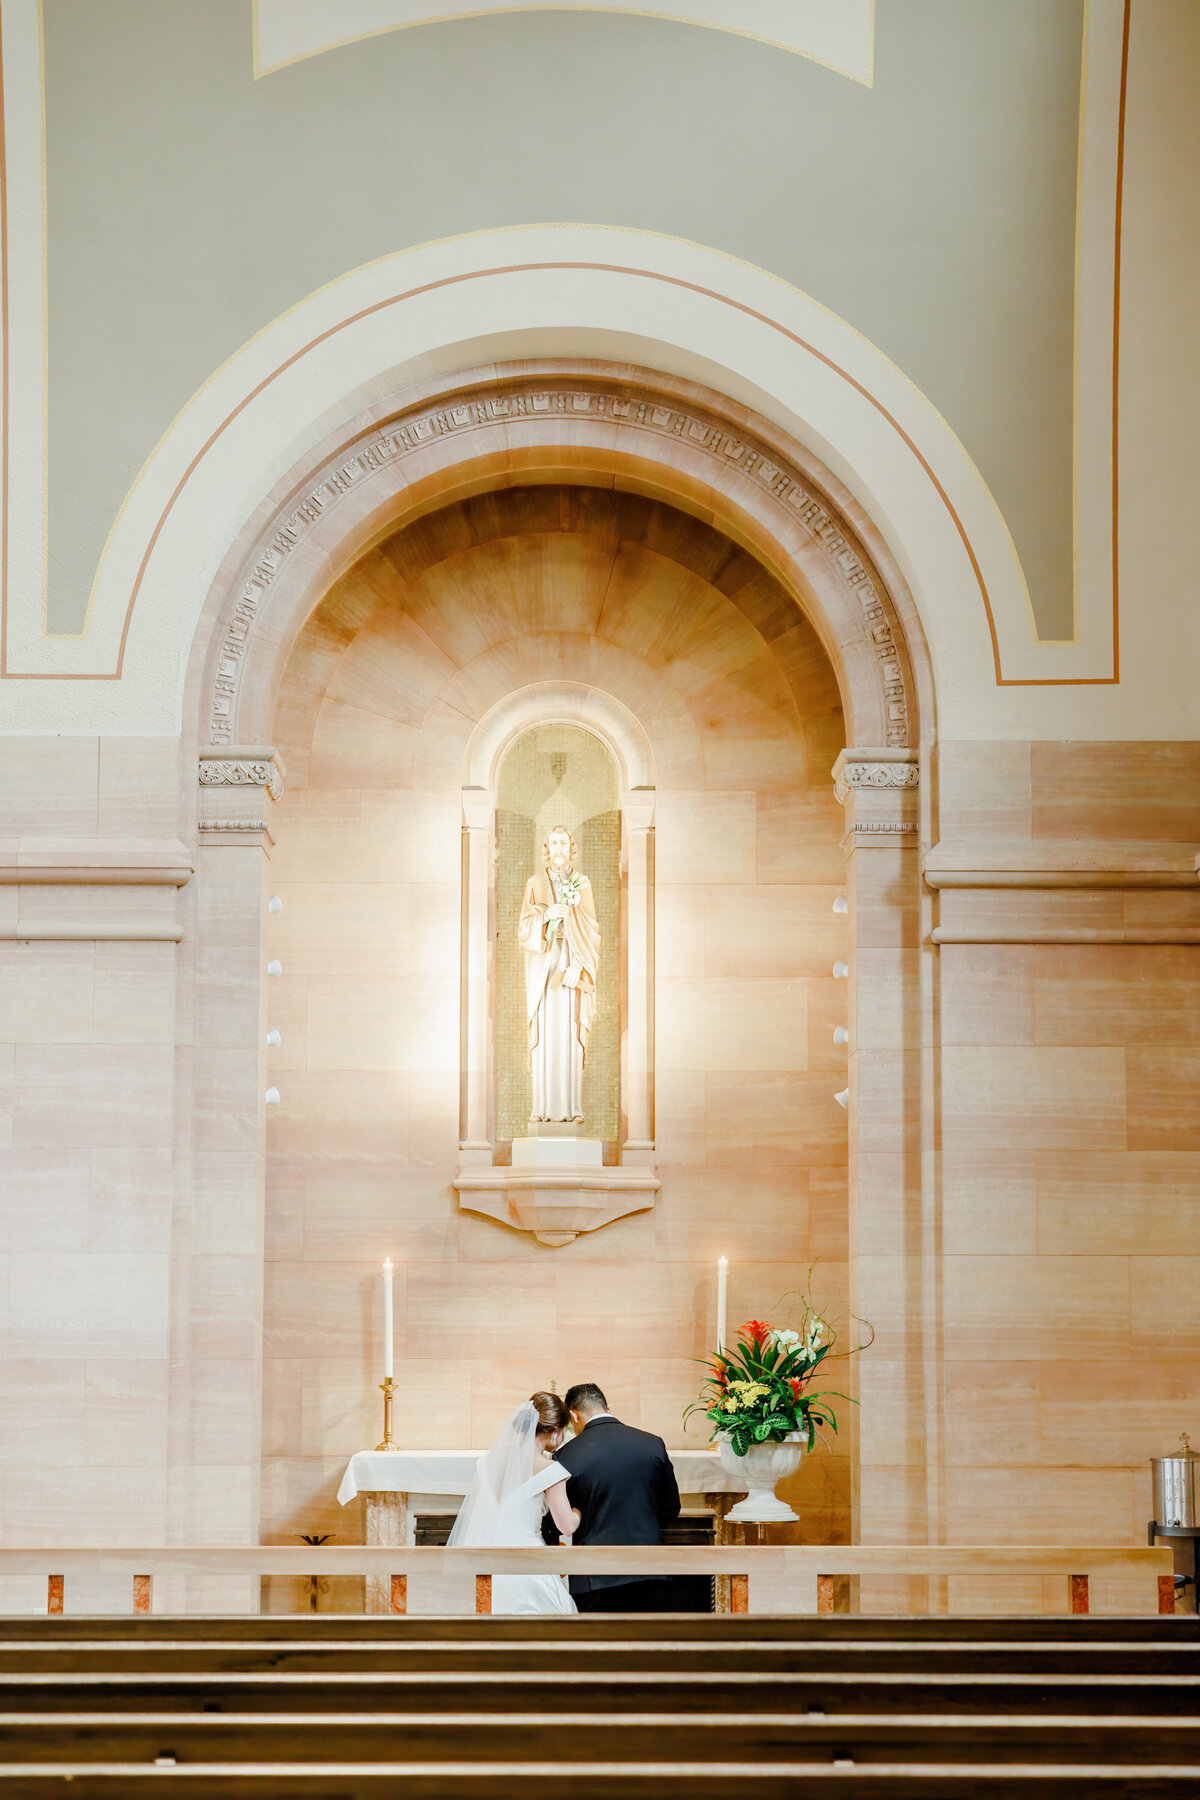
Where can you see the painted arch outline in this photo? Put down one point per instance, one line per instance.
(602, 293)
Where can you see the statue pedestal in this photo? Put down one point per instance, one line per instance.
(556, 1187)
(546, 1151)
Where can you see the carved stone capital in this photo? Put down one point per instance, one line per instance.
(637, 808)
(479, 808)
(878, 788)
(872, 769)
(254, 767)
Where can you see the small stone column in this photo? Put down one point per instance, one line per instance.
(479, 808)
(637, 1086)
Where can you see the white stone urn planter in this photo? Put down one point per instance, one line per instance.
(761, 1467)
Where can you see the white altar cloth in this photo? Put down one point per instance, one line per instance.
(428, 1475)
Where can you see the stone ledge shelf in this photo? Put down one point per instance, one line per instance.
(556, 1204)
(143, 869)
(94, 862)
(1050, 863)
(1072, 891)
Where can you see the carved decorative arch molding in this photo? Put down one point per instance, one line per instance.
(518, 426)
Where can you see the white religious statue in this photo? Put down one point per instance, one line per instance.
(560, 936)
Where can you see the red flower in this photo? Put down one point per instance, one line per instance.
(796, 1385)
(757, 1332)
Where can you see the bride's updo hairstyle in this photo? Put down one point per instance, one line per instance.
(552, 1414)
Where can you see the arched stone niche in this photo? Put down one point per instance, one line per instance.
(583, 605)
(556, 1205)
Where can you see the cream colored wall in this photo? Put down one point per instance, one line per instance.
(129, 1222)
(86, 1163)
(1053, 1188)
(1069, 1163)
(1019, 1379)
(378, 702)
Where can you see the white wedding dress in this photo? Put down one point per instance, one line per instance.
(504, 1508)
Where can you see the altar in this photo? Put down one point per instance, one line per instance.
(398, 1485)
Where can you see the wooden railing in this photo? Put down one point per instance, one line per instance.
(803, 1574)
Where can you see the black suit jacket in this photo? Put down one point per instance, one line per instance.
(624, 1487)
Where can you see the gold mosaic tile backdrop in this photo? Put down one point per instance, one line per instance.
(557, 775)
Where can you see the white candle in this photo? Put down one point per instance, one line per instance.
(722, 1286)
(387, 1317)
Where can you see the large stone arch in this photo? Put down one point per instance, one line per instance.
(421, 450)
(582, 422)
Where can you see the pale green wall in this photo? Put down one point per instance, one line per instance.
(189, 204)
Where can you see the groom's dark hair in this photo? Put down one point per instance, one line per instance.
(585, 1396)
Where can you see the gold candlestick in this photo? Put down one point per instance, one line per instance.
(387, 1388)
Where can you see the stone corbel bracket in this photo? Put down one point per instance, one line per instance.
(235, 781)
(556, 1205)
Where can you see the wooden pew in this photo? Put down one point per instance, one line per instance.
(83, 1738)
(481, 1707)
(567, 1780)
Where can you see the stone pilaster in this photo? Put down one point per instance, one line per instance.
(219, 1385)
(889, 1270)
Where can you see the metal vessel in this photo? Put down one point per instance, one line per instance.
(1175, 1485)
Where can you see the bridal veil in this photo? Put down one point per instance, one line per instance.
(503, 1471)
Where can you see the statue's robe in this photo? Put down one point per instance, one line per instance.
(560, 993)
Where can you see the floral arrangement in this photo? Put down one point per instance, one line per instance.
(758, 1393)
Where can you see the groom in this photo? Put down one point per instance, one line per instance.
(623, 1485)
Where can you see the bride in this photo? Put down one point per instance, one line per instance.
(516, 1481)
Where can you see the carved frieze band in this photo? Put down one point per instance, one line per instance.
(875, 775)
(242, 774)
(236, 830)
(705, 434)
(878, 832)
